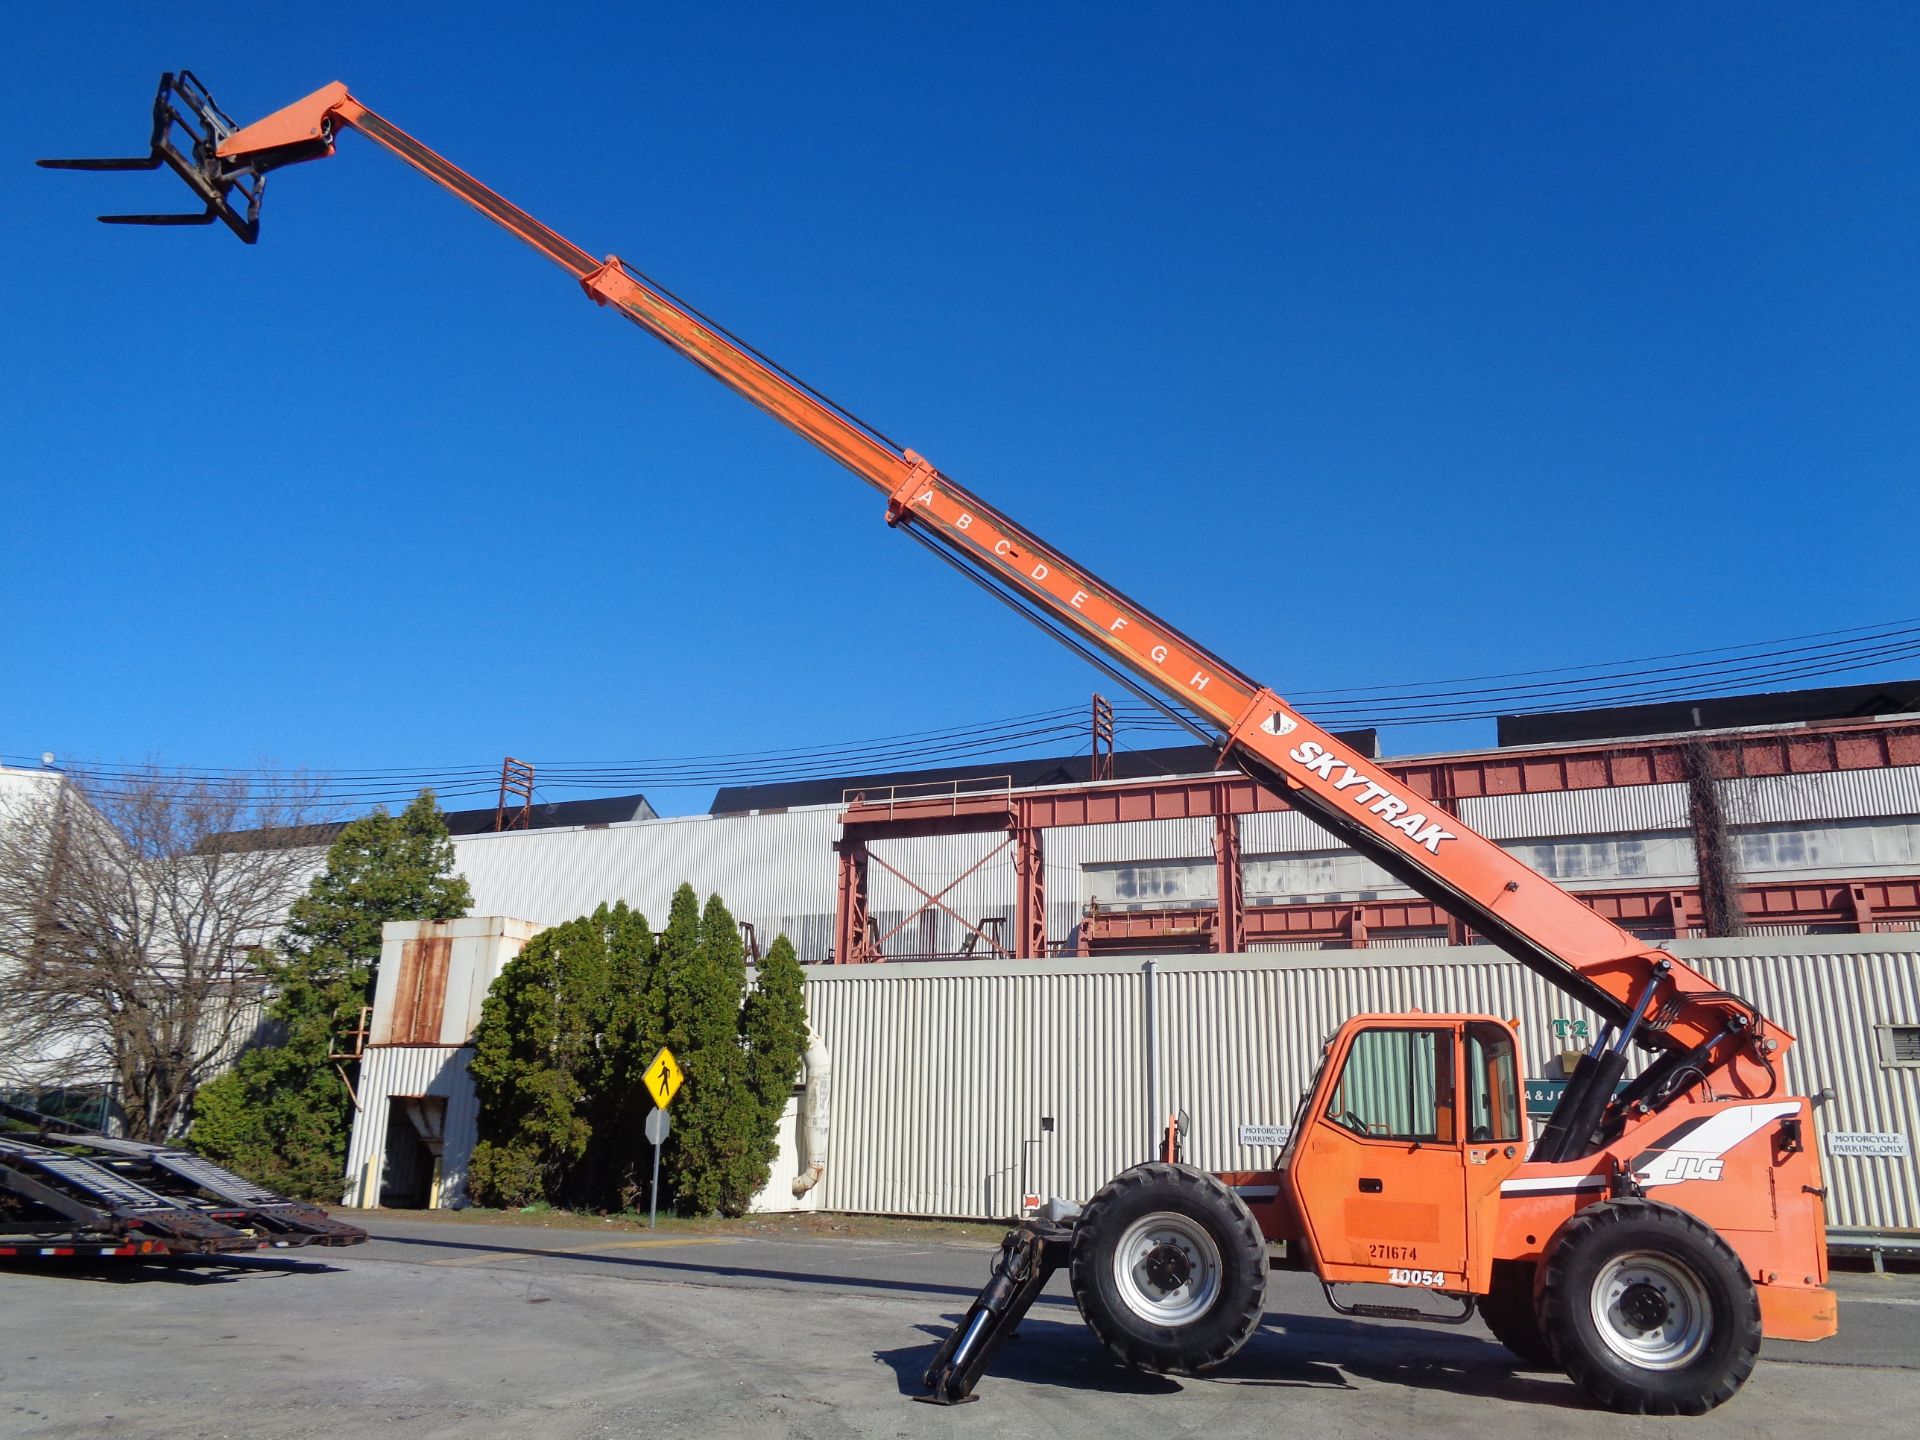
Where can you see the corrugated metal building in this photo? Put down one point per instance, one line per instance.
(943, 1072)
(945, 1069)
(415, 1111)
(775, 871)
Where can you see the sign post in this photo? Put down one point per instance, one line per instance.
(659, 1126)
(663, 1078)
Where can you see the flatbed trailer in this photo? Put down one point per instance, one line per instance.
(65, 1190)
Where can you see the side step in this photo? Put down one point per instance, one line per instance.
(1402, 1312)
(1028, 1258)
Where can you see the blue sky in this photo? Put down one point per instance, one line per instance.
(1366, 343)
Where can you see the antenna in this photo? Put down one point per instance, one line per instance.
(516, 778)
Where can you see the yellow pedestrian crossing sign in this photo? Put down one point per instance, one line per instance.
(663, 1077)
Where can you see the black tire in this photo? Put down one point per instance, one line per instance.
(1509, 1312)
(1169, 1269)
(1648, 1310)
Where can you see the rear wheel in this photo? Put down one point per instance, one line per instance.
(1169, 1269)
(1648, 1310)
(1509, 1312)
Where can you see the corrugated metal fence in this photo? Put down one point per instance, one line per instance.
(943, 1071)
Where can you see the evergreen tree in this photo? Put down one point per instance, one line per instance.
(565, 1036)
(538, 1055)
(723, 1145)
(773, 1025)
(676, 981)
(631, 1031)
(697, 1015)
(282, 1115)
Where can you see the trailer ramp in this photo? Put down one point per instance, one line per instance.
(96, 1198)
(115, 1184)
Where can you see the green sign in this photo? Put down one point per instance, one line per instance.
(1543, 1095)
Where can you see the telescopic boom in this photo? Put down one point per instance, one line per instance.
(1646, 995)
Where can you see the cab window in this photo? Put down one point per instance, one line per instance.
(1493, 1085)
(1396, 1085)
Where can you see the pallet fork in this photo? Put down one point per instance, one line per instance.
(188, 130)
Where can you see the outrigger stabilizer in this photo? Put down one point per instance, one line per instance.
(1028, 1257)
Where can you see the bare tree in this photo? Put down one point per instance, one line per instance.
(131, 913)
(1721, 911)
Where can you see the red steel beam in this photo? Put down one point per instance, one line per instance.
(1804, 750)
(931, 901)
(1858, 905)
(1800, 750)
(1230, 935)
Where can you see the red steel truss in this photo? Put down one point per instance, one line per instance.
(1859, 906)
(1231, 925)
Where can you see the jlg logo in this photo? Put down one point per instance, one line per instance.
(1677, 1169)
(1693, 1167)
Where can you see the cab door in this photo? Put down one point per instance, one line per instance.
(1490, 1106)
(1379, 1177)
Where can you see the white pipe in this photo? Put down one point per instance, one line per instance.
(816, 1111)
(1153, 1061)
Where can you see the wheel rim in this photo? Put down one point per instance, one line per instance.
(1167, 1269)
(1651, 1310)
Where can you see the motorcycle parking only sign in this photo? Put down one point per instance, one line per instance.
(1889, 1145)
(1265, 1135)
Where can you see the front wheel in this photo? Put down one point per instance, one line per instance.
(1509, 1313)
(1169, 1269)
(1649, 1310)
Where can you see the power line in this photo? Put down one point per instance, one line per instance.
(1608, 664)
(1720, 670)
(1730, 682)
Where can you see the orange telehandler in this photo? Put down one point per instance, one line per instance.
(1645, 1240)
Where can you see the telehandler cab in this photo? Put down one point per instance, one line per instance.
(1644, 1241)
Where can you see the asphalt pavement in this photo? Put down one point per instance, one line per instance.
(450, 1329)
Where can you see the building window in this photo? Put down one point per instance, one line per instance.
(1586, 859)
(1900, 1044)
(1151, 883)
(1834, 846)
(1778, 849)
(1308, 875)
